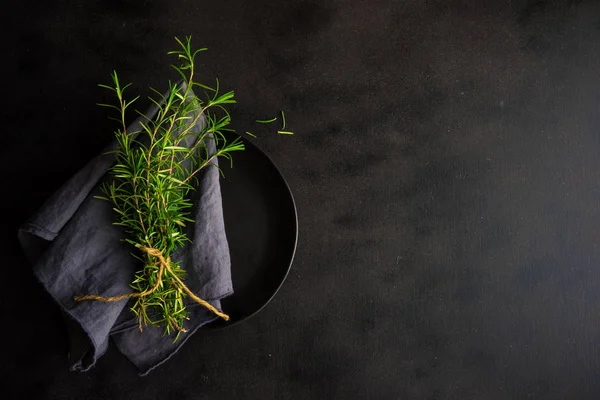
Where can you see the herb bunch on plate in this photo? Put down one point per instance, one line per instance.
(151, 179)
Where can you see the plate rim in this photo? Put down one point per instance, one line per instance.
(212, 325)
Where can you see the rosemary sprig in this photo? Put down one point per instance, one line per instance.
(152, 178)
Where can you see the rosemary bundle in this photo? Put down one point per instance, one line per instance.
(153, 175)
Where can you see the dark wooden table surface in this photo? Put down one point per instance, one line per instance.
(446, 168)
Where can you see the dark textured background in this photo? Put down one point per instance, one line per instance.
(446, 167)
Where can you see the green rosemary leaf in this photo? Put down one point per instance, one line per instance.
(283, 120)
(109, 106)
(107, 87)
(266, 121)
(176, 148)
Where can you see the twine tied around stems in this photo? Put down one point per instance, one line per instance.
(163, 264)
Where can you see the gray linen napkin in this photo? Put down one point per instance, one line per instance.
(75, 250)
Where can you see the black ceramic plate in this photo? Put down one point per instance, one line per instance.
(262, 231)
